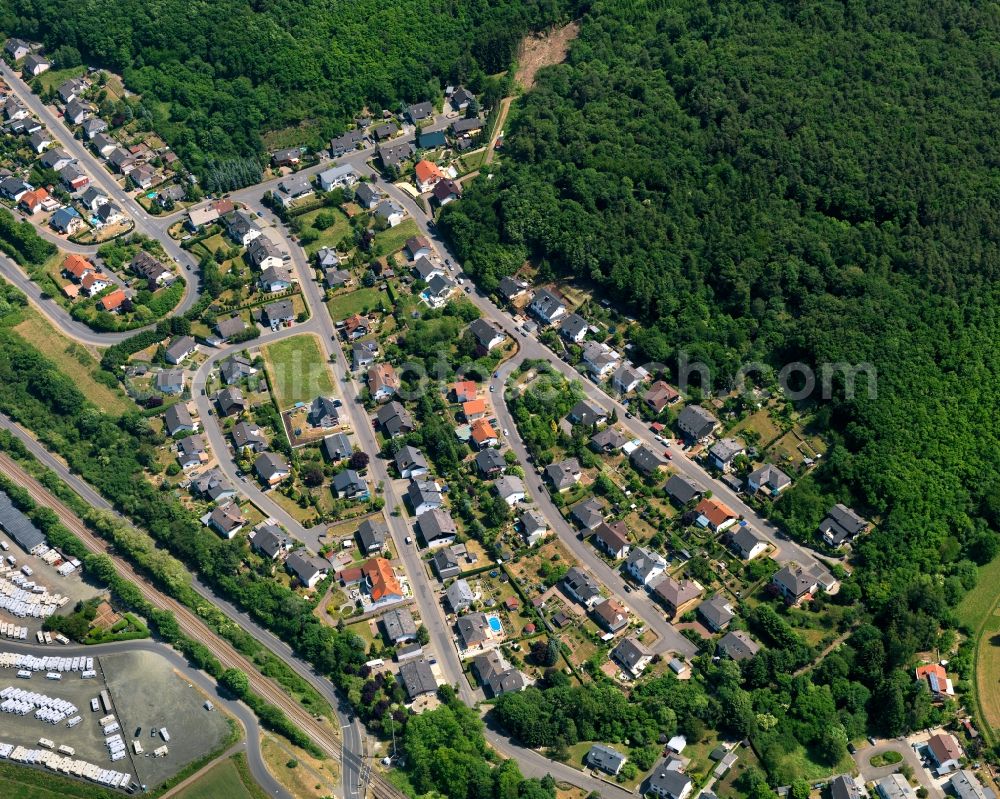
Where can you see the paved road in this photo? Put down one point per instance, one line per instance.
(669, 638)
(869, 772)
(236, 708)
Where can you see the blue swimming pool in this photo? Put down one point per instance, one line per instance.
(495, 625)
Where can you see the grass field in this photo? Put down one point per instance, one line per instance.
(54, 77)
(72, 359)
(307, 779)
(392, 239)
(297, 370)
(331, 235)
(22, 782)
(343, 305)
(221, 780)
(978, 610)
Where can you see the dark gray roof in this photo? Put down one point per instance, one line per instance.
(337, 446)
(489, 460)
(667, 782)
(737, 645)
(419, 111)
(716, 611)
(589, 513)
(177, 417)
(695, 422)
(18, 526)
(418, 679)
(682, 490)
(843, 786)
(269, 464)
(581, 584)
(399, 624)
(270, 540)
(436, 524)
(586, 413)
(841, 523)
(372, 534)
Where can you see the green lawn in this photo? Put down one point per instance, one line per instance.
(331, 235)
(54, 77)
(392, 239)
(21, 782)
(977, 610)
(353, 302)
(297, 370)
(221, 780)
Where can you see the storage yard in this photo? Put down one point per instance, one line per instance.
(115, 720)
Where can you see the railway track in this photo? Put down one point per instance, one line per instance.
(195, 628)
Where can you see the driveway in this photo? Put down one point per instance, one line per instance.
(869, 772)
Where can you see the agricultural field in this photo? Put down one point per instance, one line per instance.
(978, 610)
(297, 370)
(223, 779)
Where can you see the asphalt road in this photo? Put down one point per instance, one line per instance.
(222, 700)
(869, 772)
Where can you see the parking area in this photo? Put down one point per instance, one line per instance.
(142, 691)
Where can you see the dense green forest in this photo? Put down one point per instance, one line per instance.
(789, 181)
(214, 78)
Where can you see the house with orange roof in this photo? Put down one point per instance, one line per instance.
(715, 515)
(32, 201)
(383, 382)
(937, 679)
(464, 391)
(474, 409)
(113, 301)
(381, 581)
(483, 434)
(95, 282)
(428, 175)
(76, 266)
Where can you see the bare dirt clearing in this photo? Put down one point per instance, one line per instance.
(542, 51)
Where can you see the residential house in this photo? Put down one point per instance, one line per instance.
(418, 247)
(93, 126)
(191, 452)
(77, 267)
(338, 177)
(35, 65)
(323, 413)
(581, 587)
(123, 162)
(363, 354)
(696, 424)
(417, 679)
(214, 486)
(427, 174)
(345, 143)
(474, 409)
(248, 436)
(588, 514)
(114, 301)
(745, 543)
(430, 139)
(632, 656)
(936, 677)
(390, 213)
(439, 289)
(348, 484)
(16, 48)
(668, 782)
(464, 391)
(587, 413)
(355, 327)
(270, 541)
(94, 283)
(574, 328)
(109, 214)
(461, 98)
(332, 278)
(611, 615)
(394, 419)
(945, 752)
(895, 786)
(512, 289)
(105, 145)
(383, 383)
(437, 528)
(599, 359)
(177, 419)
(473, 630)
(73, 178)
(264, 254)
(769, 479)
(612, 539)
(495, 675)
(149, 268)
(399, 626)
(293, 189)
(608, 441)
(606, 759)
(235, 367)
(445, 563)
(290, 156)
(682, 491)
(367, 195)
(424, 495)
(142, 177)
(965, 785)
(227, 520)
(510, 489)
(737, 645)
(180, 348)
(93, 198)
(724, 452)
(794, 583)
(418, 111)
(645, 461)
(716, 613)
(677, 595)
(546, 307)
(645, 566)
(483, 434)
(393, 155)
(66, 220)
(487, 336)
(14, 188)
(843, 786)
(241, 228)
(381, 581)
(715, 515)
(411, 463)
(426, 269)
(337, 447)
(533, 527)
(627, 378)
(459, 596)
(228, 327)
(564, 474)
(489, 463)
(446, 191)
(842, 524)
(170, 381)
(466, 127)
(271, 468)
(77, 111)
(56, 159)
(309, 570)
(278, 313)
(40, 140)
(659, 396)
